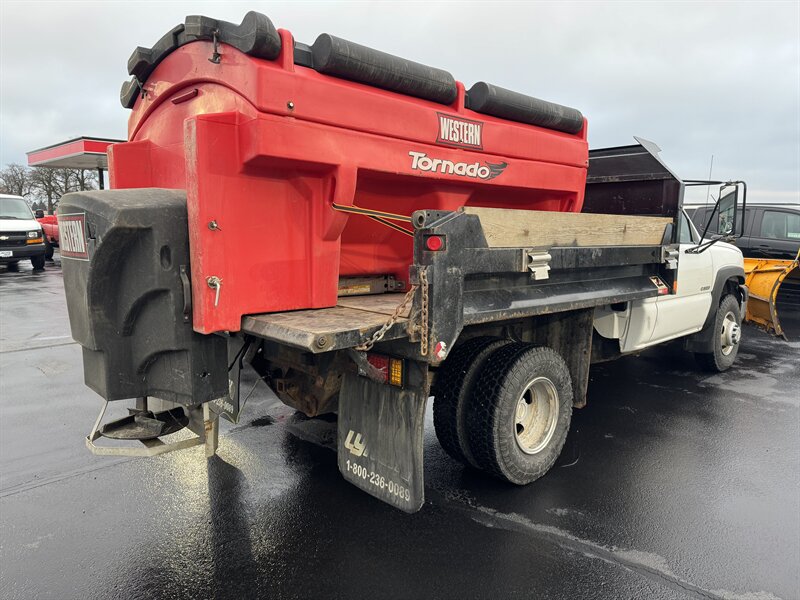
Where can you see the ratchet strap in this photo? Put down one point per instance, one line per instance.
(382, 217)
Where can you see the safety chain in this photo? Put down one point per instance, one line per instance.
(378, 335)
(423, 327)
(423, 338)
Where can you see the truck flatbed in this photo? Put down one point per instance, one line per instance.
(572, 287)
(325, 329)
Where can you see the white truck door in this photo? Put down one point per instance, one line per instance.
(685, 312)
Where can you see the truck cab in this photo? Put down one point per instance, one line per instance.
(708, 270)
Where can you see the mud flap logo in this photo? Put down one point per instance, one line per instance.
(355, 444)
(422, 162)
(72, 236)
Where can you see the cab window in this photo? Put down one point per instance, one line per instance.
(709, 215)
(779, 225)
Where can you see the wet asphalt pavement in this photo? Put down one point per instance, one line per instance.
(673, 484)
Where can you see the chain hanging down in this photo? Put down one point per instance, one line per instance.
(423, 337)
(378, 335)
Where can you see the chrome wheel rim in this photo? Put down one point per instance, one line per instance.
(536, 415)
(730, 335)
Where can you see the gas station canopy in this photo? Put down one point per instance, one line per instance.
(78, 153)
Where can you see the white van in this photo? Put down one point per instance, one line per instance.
(20, 234)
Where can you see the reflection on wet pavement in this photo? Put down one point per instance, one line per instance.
(673, 484)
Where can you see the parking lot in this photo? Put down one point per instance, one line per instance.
(673, 484)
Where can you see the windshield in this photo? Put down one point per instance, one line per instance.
(14, 208)
(694, 233)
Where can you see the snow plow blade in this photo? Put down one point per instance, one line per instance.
(764, 277)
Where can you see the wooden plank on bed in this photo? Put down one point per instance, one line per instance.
(506, 228)
(384, 304)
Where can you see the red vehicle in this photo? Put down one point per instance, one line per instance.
(49, 225)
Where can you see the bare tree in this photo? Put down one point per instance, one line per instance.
(84, 179)
(15, 179)
(45, 184)
(51, 184)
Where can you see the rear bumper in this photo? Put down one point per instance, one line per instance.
(21, 252)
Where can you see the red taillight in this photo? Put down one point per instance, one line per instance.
(381, 363)
(391, 368)
(434, 243)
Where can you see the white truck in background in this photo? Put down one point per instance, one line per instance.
(21, 235)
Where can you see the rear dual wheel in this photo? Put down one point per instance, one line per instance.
(516, 407)
(454, 384)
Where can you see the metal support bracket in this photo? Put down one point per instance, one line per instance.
(670, 258)
(538, 262)
(202, 422)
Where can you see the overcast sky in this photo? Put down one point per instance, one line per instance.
(697, 78)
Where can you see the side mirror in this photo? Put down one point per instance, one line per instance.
(39, 213)
(726, 213)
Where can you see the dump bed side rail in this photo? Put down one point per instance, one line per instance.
(469, 282)
(464, 281)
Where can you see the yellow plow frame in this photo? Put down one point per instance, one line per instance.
(763, 278)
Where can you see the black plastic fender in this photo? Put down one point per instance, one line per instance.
(122, 254)
(703, 340)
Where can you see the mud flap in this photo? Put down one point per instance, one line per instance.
(380, 440)
(229, 407)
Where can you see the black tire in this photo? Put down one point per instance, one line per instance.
(492, 412)
(13, 267)
(453, 384)
(37, 262)
(48, 249)
(722, 357)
